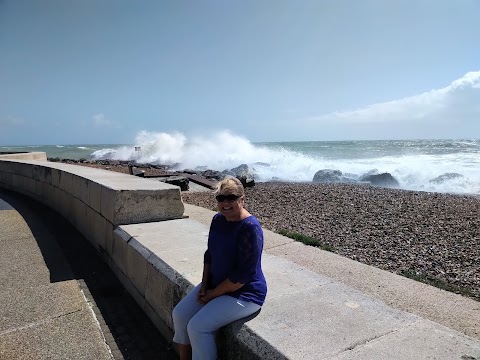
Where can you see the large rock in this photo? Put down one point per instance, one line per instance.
(245, 175)
(226, 173)
(384, 180)
(140, 173)
(445, 177)
(242, 170)
(327, 176)
(181, 181)
(213, 174)
(247, 182)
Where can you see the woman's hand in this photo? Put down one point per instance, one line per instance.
(200, 294)
(225, 287)
(209, 295)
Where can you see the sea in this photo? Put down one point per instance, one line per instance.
(446, 166)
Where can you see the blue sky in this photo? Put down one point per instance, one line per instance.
(75, 72)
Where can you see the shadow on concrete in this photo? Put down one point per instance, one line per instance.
(68, 255)
(236, 329)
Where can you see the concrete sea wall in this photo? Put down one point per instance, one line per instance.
(125, 219)
(24, 156)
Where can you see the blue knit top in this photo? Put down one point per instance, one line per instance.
(235, 252)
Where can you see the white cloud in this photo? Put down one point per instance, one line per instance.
(459, 101)
(99, 120)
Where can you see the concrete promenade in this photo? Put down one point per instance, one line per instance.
(59, 300)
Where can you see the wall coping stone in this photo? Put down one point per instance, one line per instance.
(124, 198)
(42, 156)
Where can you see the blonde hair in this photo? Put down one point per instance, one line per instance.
(230, 183)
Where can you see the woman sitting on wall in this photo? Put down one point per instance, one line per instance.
(233, 285)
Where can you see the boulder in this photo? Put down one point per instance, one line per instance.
(140, 173)
(142, 165)
(445, 177)
(245, 175)
(371, 172)
(241, 170)
(226, 173)
(247, 182)
(327, 176)
(213, 174)
(384, 180)
(181, 181)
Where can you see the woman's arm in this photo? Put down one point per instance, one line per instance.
(225, 287)
(248, 253)
(203, 288)
(207, 260)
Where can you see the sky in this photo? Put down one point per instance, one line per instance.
(101, 72)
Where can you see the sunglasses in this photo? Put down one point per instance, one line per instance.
(229, 198)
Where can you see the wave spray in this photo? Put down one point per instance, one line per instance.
(414, 163)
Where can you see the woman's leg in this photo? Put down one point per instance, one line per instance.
(217, 313)
(182, 313)
(184, 351)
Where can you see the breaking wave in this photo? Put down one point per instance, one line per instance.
(417, 165)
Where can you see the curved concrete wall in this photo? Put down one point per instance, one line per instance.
(93, 200)
(41, 156)
(123, 216)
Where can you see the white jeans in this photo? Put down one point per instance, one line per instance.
(196, 324)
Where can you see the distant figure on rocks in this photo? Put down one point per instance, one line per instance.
(233, 285)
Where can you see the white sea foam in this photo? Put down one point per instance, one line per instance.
(414, 165)
(105, 154)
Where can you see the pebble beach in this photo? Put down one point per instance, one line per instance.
(431, 237)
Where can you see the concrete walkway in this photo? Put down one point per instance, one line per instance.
(58, 299)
